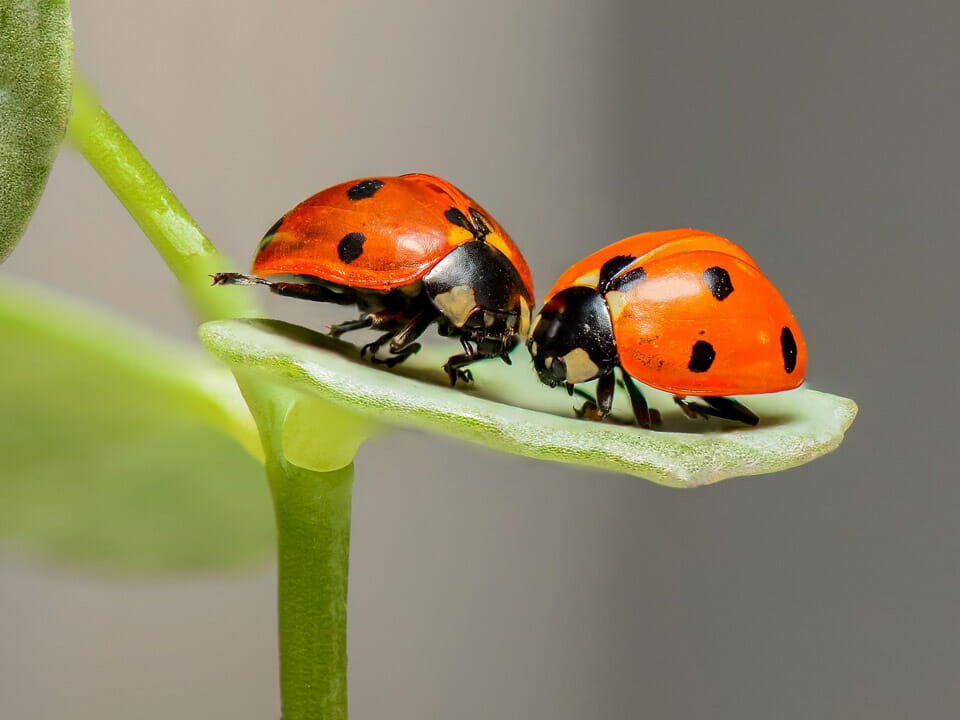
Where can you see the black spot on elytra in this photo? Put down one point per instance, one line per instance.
(788, 346)
(718, 282)
(702, 357)
(455, 216)
(609, 270)
(628, 278)
(269, 235)
(351, 247)
(364, 189)
(481, 226)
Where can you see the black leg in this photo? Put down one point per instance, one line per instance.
(401, 339)
(640, 410)
(732, 410)
(402, 344)
(371, 348)
(455, 364)
(455, 367)
(305, 291)
(694, 411)
(719, 407)
(580, 393)
(350, 325)
(599, 409)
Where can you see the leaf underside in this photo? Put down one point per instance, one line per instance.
(509, 409)
(36, 66)
(109, 456)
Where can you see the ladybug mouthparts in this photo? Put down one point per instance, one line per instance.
(485, 333)
(495, 333)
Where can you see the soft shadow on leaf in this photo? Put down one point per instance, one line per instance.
(111, 456)
(509, 409)
(36, 66)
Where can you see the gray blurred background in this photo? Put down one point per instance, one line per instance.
(822, 136)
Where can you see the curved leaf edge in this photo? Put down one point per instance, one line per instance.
(797, 427)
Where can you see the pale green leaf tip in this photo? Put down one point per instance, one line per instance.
(796, 427)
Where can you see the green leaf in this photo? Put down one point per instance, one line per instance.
(116, 448)
(36, 66)
(509, 409)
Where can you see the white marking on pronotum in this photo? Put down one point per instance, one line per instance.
(616, 301)
(590, 279)
(457, 304)
(580, 367)
(524, 318)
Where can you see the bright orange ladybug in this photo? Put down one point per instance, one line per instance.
(408, 251)
(682, 311)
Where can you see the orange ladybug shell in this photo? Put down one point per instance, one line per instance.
(700, 319)
(644, 246)
(379, 233)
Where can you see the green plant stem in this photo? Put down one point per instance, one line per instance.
(313, 536)
(312, 508)
(157, 211)
(313, 529)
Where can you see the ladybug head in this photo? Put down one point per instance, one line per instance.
(481, 298)
(572, 339)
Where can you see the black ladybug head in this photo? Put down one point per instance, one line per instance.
(572, 339)
(481, 298)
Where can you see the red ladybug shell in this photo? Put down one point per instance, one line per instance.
(701, 319)
(586, 272)
(379, 233)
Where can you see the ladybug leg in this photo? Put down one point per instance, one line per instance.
(350, 325)
(694, 411)
(401, 339)
(720, 407)
(305, 291)
(646, 417)
(371, 348)
(376, 320)
(591, 410)
(455, 364)
(579, 393)
(730, 409)
(402, 342)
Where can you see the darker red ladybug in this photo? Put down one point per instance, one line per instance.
(407, 251)
(682, 311)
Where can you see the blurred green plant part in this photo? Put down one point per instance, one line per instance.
(509, 409)
(36, 68)
(120, 450)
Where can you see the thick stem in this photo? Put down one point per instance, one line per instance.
(313, 538)
(157, 211)
(313, 531)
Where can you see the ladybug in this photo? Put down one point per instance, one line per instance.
(683, 311)
(407, 251)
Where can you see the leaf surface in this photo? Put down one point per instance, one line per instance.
(121, 450)
(36, 68)
(509, 409)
